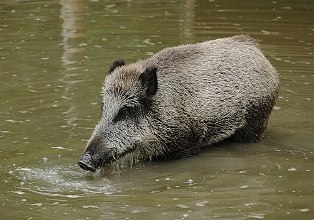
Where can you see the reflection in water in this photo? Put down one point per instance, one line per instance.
(72, 28)
(189, 16)
(73, 36)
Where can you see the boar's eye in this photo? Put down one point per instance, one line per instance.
(124, 113)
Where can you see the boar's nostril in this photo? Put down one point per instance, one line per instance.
(86, 166)
(86, 162)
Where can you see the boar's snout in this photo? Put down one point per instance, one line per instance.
(86, 162)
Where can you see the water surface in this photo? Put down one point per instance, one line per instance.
(53, 58)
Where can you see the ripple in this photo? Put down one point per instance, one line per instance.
(62, 182)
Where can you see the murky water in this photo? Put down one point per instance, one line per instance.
(53, 59)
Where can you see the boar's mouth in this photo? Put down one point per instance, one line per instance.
(90, 164)
(87, 163)
(86, 166)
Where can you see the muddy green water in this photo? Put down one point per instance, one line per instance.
(53, 59)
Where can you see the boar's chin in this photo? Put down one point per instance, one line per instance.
(126, 159)
(109, 160)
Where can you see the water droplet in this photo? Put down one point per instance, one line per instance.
(90, 206)
(257, 216)
(18, 192)
(182, 206)
(201, 204)
(73, 196)
(23, 169)
(243, 171)
(59, 148)
(250, 204)
(189, 181)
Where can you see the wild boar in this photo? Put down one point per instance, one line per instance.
(182, 99)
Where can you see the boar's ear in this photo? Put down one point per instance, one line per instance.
(149, 81)
(115, 64)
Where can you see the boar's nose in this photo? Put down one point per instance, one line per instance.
(86, 163)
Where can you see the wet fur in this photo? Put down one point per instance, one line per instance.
(201, 94)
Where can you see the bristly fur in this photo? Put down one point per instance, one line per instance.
(182, 99)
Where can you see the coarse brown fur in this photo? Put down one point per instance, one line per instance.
(182, 99)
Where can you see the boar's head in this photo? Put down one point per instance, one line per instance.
(127, 113)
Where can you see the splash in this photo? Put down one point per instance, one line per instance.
(60, 181)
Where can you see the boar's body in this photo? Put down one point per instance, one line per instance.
(184, 98)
